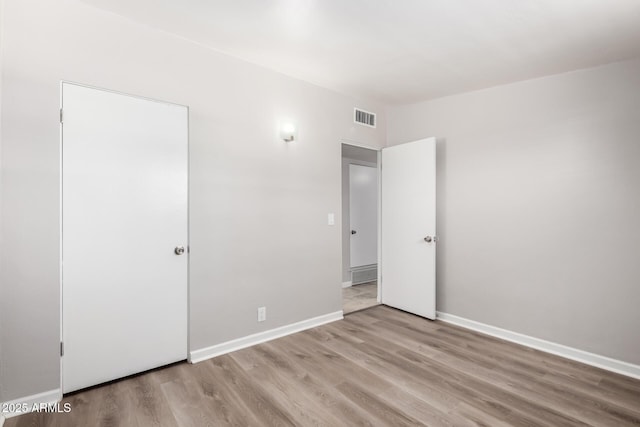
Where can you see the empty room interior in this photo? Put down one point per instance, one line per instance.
(310, 212)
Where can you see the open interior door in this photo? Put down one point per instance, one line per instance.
(408, 227)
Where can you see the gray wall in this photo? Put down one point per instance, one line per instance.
(258, 208)
(539, 205)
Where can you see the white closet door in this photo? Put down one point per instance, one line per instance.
(408, 261)
(363, 215)
(124, 214)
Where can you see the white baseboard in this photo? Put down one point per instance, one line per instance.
(347, 284)
(27, 402)
(607, 363)
(244, 342)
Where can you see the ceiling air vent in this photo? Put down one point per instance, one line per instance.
(364, 117)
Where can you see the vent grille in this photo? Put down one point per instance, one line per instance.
(365, 118)
(364, 274)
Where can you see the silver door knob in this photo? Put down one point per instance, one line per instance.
(179, 250)
(428, 239)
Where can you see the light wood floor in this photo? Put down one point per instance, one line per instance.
(359, 297)
(376, 367)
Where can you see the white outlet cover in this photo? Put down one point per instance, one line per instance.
(331, 219)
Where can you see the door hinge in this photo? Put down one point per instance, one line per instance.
(61, 348)
(61, 115)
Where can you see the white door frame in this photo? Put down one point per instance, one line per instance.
(379, 228)
(60, 222)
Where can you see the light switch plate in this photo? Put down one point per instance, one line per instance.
(331, 219)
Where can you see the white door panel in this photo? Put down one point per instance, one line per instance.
(408, 217)
(363, 215)
(125, 182)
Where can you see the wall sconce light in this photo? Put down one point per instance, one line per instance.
(288, 132)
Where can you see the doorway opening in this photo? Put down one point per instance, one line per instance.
(360, 228)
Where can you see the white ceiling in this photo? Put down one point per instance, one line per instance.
(401, 51)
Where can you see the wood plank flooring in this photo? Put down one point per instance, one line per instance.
(376, 367)
(359, 297)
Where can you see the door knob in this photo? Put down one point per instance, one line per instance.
(353, 231)
(428, 239)
(179, 250)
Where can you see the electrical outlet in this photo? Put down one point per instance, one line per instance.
(262, 314)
